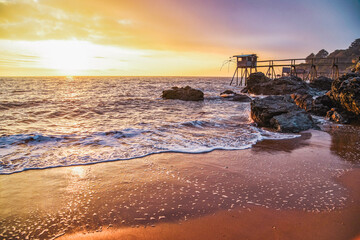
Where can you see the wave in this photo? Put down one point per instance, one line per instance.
(58, 151)
(18, 139)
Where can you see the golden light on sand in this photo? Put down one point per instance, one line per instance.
(78, 171)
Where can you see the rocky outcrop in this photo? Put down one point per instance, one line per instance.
(259, 84)
(281, 114)
(321, 83)
(346, 92)
(318, 106)
(346, 56)
(233, 96)
(185, 93)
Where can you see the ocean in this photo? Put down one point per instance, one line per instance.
(63, 121)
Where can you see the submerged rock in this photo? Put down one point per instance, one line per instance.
(321, 83)
(281, 114)
(185, 93)
(258, 83)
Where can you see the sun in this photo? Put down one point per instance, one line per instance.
(70, 57)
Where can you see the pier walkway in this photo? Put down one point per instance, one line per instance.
(306, 68)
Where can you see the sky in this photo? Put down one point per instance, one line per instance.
(165, 37)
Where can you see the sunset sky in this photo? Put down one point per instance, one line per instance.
(165, 37)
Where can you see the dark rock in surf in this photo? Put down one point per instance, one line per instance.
(233, 96)
(227, 92)
(185, 93)
(281, 114)
(258, 83)
(241, 98)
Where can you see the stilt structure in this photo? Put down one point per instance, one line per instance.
(248, 62)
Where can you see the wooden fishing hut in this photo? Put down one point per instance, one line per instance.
(246, 63)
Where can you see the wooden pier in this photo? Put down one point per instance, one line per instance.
(307, 67)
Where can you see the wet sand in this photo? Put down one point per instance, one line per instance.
(254, 223)
(287, 189)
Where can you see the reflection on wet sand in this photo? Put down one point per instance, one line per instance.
(345, 141)
(173, 188)
(283, 145)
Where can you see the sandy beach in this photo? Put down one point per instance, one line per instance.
(301, 188)
(179, 120)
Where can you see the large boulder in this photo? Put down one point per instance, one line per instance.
(258, 84)
(345, 91)
(185, 93)
(321, 83)
(294, 121)
(281, 114)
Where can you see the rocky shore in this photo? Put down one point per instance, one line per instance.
(290, 110)
(290, 102)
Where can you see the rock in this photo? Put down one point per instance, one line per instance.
(255, 83)
(227, 92)
(280, 113)
(294, 121)
(186, 94)
(321, 105)
(258, 83)
(346, 92)
(321, 83)
(241, 98)
(303, 101)
(318, 106)
(233, 96)
(337, 117)
(357, 67)
(263, 109)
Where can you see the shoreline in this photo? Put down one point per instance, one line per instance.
(165, 189)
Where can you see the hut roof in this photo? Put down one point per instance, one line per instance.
(245, 55)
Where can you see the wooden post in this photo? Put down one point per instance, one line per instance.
(237, 77)
(335, 69)
(234, 75)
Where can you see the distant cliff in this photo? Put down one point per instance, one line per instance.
(347, 58)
